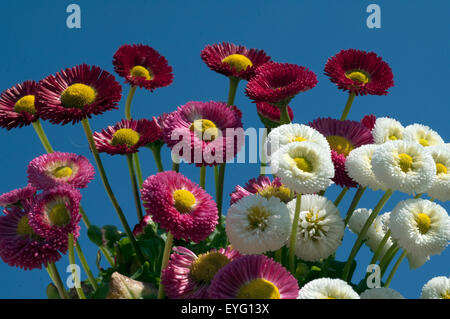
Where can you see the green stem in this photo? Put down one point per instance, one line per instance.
(279, 255)
(232, 91)
(128, 102)
(76, 276)
(340, 196)
(284, 115)
(112, 197)
(394, 269)
(137, 165)
(363, 232)
(165, 262)
(387, 258)
(156, 151)
(380, 247)
(86, 267)
(293, 238)
(134, 185)
(54, 274)
(354, 203)
(221, 181)
(418, 196)
(202, 176)
(351, 97)
(42, 136)
(175, 167)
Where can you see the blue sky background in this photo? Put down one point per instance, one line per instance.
(36, 42)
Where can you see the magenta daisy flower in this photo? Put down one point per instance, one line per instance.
(188, 276)
(199, 132)
(20, 246)
(77, 93)
(179, 206)
(17, 107)
(233, 60)
(360, 72)
(369, 121)
(50, 170)
(253, 277)
(343, 137)
(278, 83)
(270, 115)
(127, 136)
(55, 214)
(262, 186)
(18, 198)
(139, 229)
(141, 65)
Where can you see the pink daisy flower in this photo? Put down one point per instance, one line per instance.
(233, 60)
(17, 107)
(343, 137)
(20, 198)
(77, 93)
(278, 83)
(179, 206)
(127, 136)
(369, 121)
(360, 72)
(197, 132)
(253, 277)
(20, 246)
(141, 65)
(139, 229)
(262, 186)
(270, 114)
(188, 276)
(50, 170)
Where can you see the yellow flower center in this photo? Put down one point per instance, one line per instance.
(331, 298)
(257, 218)
(207, 265)
(303, 164)
(59, 215)
(446, 295)
(358, 76)
(405, 162)
(298, 139)
(340, 144)
(205, 129)
(24, 228)
(61, 172)
(282, 192)
(393, 138)
(184, 200)
(141, 72)
(238, 62)
(258, 289)
(441, 169)
(424, 142)
(25, 104)
(125, 136)
(423, 222)
(78, 95)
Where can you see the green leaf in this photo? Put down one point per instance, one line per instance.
(111, 235)
(95, 235)
(52, 292)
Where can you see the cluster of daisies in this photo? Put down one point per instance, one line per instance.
(277, 229)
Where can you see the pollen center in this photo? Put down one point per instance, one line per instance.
(424, 142)
(423, 223)
(125, 136)
(393, 138)
(303, 164)
(298, 139)
(313, 225)
(238, 62)
(59, 215)
(207, 265)
(446, 295)
(441, 169)
(340, 144)
(281, 192)
(358, 76)
(205, 129)
(24, 228)
(257, 218)
(25, 104)
(63, 171)
(184, 200)
(405, 162)
(78, 95)
(258, 289)
(141, 72)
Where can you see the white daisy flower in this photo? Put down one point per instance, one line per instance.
(381, 293)
(420, 227)
(320, 227)
(288, 133)
(387, 129)
(416, 260)
(404, 166)
(358, 219)
(303, 167)
(256, 224)
(359, 167)
(441, 186)
(327, 288)
(422, 134)
(436, 288)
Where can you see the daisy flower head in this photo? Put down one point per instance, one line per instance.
(387, 129)
(358, 219)
(360, 72)
(327, 288)
(188, 275)
(404, 166)
(423, 135)
(270, 115)
(204, 133)
(74, 94)
(381, 293)
(263, 186)
(440, 189)
(18, 198)
(376, 233)
(126, 137)
(17, 106)
(278, 83)
(139, 229)
(53, 169)
(179, 206)
(20, 246)
(256, 224)
(233, 60)
(320, 227)
(303, 167)
(369, 121)
(343, 137)
(253, 277)
(436, 288)
(141, 65)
